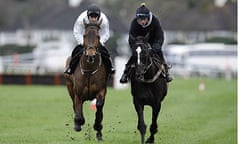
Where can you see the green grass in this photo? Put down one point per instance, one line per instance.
(43, 115)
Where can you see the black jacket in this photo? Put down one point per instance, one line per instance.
(154, 29)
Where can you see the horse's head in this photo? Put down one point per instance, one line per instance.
(142, 50)
(91, 40)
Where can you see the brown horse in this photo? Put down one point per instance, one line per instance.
(89, 80)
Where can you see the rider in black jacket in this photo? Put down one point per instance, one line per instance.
(145, 22)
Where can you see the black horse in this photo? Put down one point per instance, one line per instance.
(148, 85)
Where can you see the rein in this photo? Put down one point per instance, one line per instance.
(156, 76)
(91, 41)
(159, 67)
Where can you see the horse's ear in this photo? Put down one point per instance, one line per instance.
(100, 22)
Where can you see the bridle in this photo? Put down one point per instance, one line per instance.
(91, 39)
(146, 47)
(140, 47)
(91, 44)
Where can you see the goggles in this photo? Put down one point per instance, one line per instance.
(93, 14)
(142, 16)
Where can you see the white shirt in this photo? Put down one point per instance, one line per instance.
(79, 28)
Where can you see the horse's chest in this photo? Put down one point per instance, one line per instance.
(91, 89)
(147, 93)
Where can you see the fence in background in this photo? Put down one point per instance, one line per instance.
(28, 79)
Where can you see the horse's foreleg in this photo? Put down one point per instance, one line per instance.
(141, 124)
(98, 122)
(79, 118)
(154, 126)
(99, 115)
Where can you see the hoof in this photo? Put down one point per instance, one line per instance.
(99, 139)
(77, 128)
(99, 136)
(150, 141)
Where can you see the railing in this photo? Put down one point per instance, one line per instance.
(20, 68)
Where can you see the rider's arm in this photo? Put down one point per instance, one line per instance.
(132, 32)
(159, 36)
(104, 30)
(78, 29)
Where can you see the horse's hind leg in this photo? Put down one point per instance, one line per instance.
(98, 118)
(154, 126)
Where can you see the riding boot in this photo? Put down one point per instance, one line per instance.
(161, 58)
(111, 70)
(72, 66)
(68, 71)
(124, 77)
(127, 70)
(167, 76)
(106, 56)
(76, 54)
(69, 68)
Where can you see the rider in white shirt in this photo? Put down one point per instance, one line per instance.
(92, 14)
(79, 28)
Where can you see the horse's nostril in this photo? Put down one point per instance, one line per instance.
(90, 59)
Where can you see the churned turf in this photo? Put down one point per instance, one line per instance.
(43, 115)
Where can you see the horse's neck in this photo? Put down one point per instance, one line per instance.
(155, 68)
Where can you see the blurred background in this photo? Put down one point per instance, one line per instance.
(36, 36)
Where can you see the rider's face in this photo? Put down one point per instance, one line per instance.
(143, 21)
(93, 19)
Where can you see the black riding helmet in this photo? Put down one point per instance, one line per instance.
(143, 12)
(93, 10)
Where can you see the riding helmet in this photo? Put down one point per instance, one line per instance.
(143, 12)
(93, 10)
